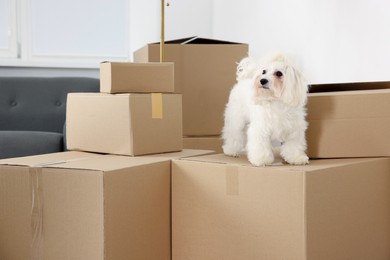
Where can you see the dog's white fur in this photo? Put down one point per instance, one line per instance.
(258, 114)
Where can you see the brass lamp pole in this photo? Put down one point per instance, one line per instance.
(162, 31)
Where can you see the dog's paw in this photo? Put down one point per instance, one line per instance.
(300, 159)
(231, 150)
(261, 159)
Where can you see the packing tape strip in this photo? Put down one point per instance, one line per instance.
(36, 213)
(157, 106)
(232, 180)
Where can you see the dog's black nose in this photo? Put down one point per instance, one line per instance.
(263, 82)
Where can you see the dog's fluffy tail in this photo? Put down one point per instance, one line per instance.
(246, 68)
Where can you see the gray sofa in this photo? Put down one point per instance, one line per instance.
(32, 113)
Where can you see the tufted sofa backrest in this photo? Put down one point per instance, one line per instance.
(38, 103)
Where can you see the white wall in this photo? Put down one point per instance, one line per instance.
(335, 40)
(183, 18)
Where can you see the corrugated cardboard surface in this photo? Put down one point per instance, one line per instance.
(77, 205)
(185, 153)
(83, 212)
(223, 208)
(125, 124)
(204, 73)
(126, 77)
(349, 124)
(206, 142)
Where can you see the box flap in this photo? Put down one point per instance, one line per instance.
(278, 164)
(138, 64)
(315, 88)
(367, 104)
(197, 40)
(83, 161)
(46, 159)
(108, 162)
(185, 153)
(350, 93)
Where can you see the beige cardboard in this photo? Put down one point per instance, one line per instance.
(349, 124)
(86, 206)
(124, 124)
(224, 208)
(127, 77)
(185, 153)
(204, 73)
(213, 143)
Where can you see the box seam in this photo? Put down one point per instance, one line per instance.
(131, 137)
(305, 226)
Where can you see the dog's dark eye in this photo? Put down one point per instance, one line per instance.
(278, 74)
(264, 71)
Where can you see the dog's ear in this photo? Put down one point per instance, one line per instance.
(295, 87)
(246, 68)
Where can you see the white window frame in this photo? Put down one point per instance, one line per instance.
(22, 54)
(12, 50)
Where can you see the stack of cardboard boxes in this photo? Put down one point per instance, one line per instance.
(191, 204)
(130, 118)
(204, 75)
(101, 205)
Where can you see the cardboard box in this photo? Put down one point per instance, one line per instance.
(77, 205)
(223, 208)
(205, 72)
(349, 124)
(124, 124)
(213, 143)
(127, 77)
(93, 207)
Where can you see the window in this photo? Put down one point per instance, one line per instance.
(72, 33)
(8, 43)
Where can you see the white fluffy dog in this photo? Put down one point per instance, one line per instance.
(267, 104)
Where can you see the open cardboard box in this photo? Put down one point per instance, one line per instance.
(78, 205)
(205, 71)
(349, 120)
(224, 208)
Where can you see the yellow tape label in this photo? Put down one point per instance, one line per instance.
(157, 106)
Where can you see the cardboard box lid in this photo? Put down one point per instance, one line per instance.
(197, 40)
(96, 162)
(137, 64)
(185, 153)
(349, 104)
(43, 159)
(108, 162)
(82, 161)
(278, 165)
(332, 87)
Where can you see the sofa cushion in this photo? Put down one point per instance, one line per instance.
(38, 103)
(24, 143)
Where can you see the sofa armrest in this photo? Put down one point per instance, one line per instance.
(24, 143)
